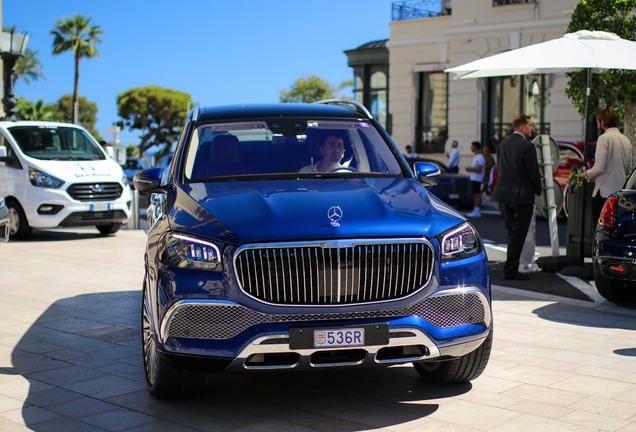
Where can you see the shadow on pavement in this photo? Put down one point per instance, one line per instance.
(544, 282)
(61, 234)
(82, 359)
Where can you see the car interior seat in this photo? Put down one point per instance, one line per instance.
(219, 157)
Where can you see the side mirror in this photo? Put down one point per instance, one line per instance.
(149, 180)
(3, 153)
(427, 173)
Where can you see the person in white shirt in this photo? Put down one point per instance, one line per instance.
(410, 154)
(332, 150)
(476, 170)
(453, 157)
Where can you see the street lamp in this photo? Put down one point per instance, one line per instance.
(12, 46)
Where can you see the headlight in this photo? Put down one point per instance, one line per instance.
(188, 252)
(40, 179)
(459, 243)
(124, 180)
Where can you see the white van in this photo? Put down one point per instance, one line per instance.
(57, 175)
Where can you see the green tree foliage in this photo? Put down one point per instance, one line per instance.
(159, 114)
(76, 34)
(132, 151)
(27, 67)
(613, 88)
(87, 113)
(308, 89)
(30, 110)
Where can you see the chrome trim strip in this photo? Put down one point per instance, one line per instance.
(197, 110)
(167, 318)
(418, 338)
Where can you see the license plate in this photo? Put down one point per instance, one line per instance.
(101, 206)
(454, 196)
(339, 337)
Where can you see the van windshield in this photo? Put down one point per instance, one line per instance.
(56, 143)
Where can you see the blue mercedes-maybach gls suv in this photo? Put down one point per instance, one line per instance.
(292, 236)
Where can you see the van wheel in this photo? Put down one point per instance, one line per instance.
(19, 228)
(109, 229)
(463, 369)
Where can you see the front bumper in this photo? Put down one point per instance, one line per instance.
(73, 213)
(448, 323)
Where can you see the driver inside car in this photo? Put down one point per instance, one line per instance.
(332, 150)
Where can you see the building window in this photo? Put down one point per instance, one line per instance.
(507, 2)
(378, 97)
(431, 128)
(505, 97)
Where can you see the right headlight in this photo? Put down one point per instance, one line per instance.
(184, 251)
(459, 242)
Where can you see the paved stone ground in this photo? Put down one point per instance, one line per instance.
(70, 360)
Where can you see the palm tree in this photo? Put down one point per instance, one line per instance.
(76, 34)
(29, 110)
(28, 66)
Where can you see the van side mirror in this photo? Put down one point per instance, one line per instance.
(3, 153)
(148, 181)
(427, 173)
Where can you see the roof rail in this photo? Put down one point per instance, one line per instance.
(349, 104)
(195, 113)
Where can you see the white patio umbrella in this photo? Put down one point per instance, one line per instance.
(584, 50)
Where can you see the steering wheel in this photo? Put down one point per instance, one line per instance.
(342, 169)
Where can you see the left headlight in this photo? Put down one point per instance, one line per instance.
(459, 242)
(183, 251)
(40, 179)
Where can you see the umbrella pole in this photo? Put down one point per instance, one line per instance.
(583, 190)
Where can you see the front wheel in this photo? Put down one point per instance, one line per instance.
(463, 369)
(612, 290)
(163, 380)
(19, 228)
(109, 229)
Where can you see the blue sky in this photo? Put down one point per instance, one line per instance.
(220, 52)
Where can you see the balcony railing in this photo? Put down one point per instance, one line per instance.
(413, 9)
(507, 2)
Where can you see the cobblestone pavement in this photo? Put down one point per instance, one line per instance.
(70, 360)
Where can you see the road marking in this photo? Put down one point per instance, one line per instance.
(577, 283)
(586, 289)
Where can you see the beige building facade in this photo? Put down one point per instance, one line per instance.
(428, 109)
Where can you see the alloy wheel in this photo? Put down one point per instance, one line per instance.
(148, 334)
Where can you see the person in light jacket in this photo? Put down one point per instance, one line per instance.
(613, 161)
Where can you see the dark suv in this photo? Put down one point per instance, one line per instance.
(295, 236)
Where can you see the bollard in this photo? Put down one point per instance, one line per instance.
(133, 221)
(526, 261)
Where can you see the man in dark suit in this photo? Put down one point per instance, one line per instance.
(519, 181)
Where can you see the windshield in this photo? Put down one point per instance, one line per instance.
(56, 143)
(303, 148)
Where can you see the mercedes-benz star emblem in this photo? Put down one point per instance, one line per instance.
(334, 214)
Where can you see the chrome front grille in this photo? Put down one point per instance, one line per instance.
(334, 272)
(197, 320)
(95, 191)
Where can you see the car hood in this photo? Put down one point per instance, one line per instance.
(106, 170)
(290, 210)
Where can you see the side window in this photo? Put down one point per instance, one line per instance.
(12, 158)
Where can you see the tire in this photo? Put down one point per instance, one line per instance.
(163, 380)
(19, 228)
(460, 370)
(611, 289)
(109, 229)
